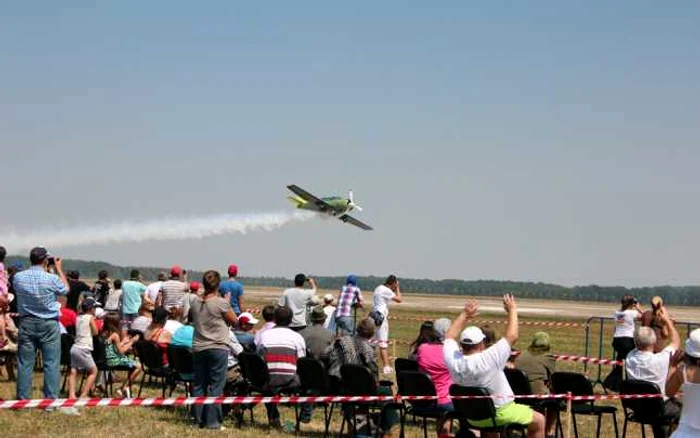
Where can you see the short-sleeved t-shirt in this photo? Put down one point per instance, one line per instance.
(650, 367)
(624, 323)
(235, 288)
(76, 289)
(382, 297)
(174, 293)
(132, 291)
(153, 290)
(431, 361)
(298, 300)
(481, 369)
(210, 330)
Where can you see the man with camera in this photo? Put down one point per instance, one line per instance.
(299, 299)
(37, 290)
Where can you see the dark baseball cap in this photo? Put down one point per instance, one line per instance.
(39, 254)
(89, 303)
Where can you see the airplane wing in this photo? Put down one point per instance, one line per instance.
(319, 204)
(351, 220)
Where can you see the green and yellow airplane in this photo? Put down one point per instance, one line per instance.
(334, 206)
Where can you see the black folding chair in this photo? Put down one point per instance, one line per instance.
(577, 384)
(644, 411)
(66, 344)
(416, 383)
(255, 372)
(479, 409)
(181, 364)
(315, 382)
(357, 380)
(520, 384)
(151, 358)
(99, 355)
(402, 364)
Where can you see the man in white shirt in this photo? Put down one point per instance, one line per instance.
(154, 288)
(643, 364)
(383, 295)
(472, 364)
(299, 300)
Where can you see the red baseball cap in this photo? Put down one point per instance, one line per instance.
(194, 286)
(232, 270)
(175, 271)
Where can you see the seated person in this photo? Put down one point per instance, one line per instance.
(430, 361)
(244, 331)
(538, 365)
(281, 346)
(183, 337)
(643, 364)
(426, 334)
(316, 337)
(472, 364)
(143, 320)
(157, 334)
(356, 350)
(173, 322)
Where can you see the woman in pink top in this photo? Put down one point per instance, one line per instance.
(430, 360)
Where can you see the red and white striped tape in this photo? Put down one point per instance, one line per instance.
(185, 401)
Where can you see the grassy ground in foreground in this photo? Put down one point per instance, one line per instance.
(128, 422)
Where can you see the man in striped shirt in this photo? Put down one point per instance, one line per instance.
(172, 292)
(281, 347)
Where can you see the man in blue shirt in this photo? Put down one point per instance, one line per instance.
(234, 289)
(37, 291)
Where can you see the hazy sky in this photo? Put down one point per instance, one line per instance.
(543, 141)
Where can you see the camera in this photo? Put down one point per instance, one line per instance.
(52, 261)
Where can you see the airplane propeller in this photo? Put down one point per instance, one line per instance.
(351, 202)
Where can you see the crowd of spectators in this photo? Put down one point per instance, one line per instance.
(209, 319)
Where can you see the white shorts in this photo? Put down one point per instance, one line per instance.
(381, 336)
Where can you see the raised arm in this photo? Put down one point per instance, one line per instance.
(397, 293)
(471, 309)
(512, 328)
(675, 343)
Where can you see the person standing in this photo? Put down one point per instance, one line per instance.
(113, 303)
(36, 294)
(329, 311)
(349, 300)
(623, 338)
(299, 300)
(232, 289)
(209, 315)
(81, 352)
(132, 296)
(101, 289)
(76, 289)
(383, 295)
(172, 292)
(153, 289)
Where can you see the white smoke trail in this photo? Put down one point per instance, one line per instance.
(155, 229)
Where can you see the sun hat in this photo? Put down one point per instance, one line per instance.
(471, 336)
(540, 342)
(692, 344)
(328, 298)
(318, 315)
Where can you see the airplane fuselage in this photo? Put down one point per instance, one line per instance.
(336, 205)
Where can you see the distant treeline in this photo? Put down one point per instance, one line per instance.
(676, 295)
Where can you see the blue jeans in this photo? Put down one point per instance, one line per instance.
(346, 325)
(209, 380)
(38, 334)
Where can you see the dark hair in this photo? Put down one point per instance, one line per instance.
(74, 275)
(117, 284)
(102, 275)
(391, 280)
(490, 335)
(692, 361)
(426, 335)
(159, 316)
(299, 280)
(283, 316)
(211, 280)
(3, 253)
(162, 276)
(112, 324)
(134, 274)
(627, 301)
(366, 328)
(268, 313)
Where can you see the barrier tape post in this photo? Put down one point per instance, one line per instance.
(567, 433)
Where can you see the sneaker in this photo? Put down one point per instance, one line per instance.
(127, 393)
(69, 411)
(388, 370)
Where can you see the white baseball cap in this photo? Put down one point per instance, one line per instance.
(247, 318)
(472, 336)
(328, 298)
(692, 344)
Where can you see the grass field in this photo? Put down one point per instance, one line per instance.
(127, 422)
